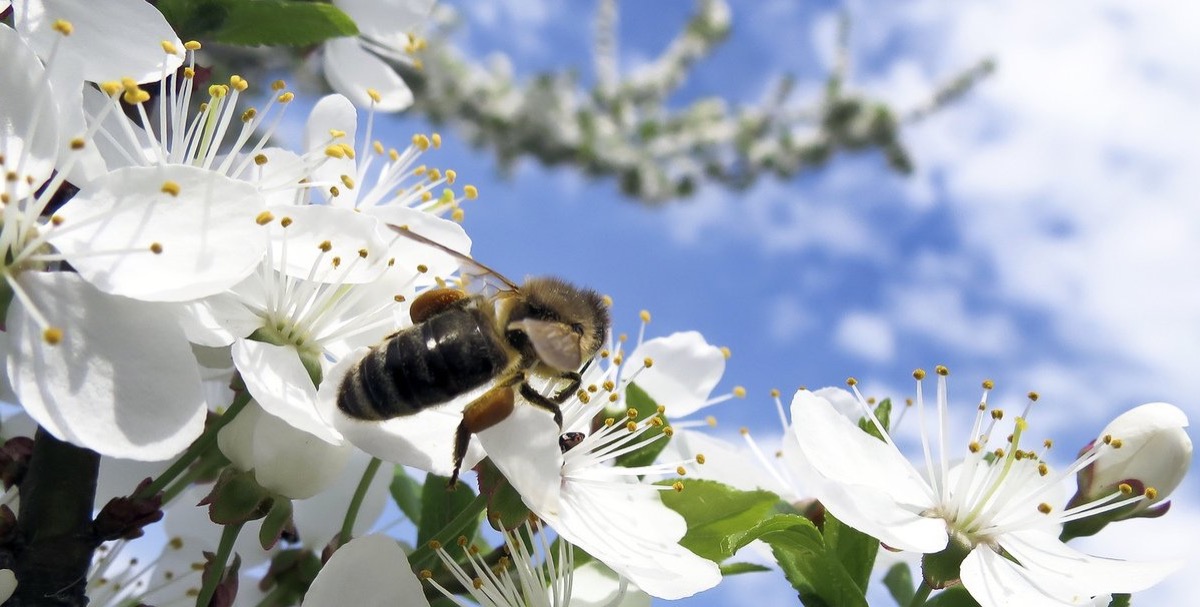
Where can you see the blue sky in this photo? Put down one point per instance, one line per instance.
(1049, 238)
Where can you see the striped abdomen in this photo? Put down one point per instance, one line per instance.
(427, 364)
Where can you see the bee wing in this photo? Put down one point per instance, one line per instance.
(470, 267)
(556, 344)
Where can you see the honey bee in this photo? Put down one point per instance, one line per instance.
(458, 342)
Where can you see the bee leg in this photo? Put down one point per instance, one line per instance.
(573, 383)
(536, 399)
(433, 301)
(491, 408)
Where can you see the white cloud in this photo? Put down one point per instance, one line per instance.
(866, 335)
(788, 319)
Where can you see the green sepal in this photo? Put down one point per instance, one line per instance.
(942, 569)
(237, 498)
(292, 570)
(406, 492)
(278, 520)
(280, 23)
(1120, 600)
(717, 515)
(955, 596)
(899, 582)
(637, 399)
(505, 509)
(440, 505)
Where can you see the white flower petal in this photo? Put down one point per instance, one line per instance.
(8, 580)
(424, 440)
(6, 392)
(317, 235)
(122, 381)
(995, 581)
(21, 76)
(319, 518)
(595, 585)
(217, 320)
(185, 520)
(236, 439)
(208, 233)
(123, 40)
(279, 177)
(843, 401)
(409, 253)
(292, 462)
(333, 113)
(1155, 449)
(119, 477)
(371, 571)
(351, 70)
(378, 18)
(525, 449)
(723, 462)
(862, 480)
(686, 369)
(279, 382)
(1047, 557)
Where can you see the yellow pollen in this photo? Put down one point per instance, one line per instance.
(631, 413)
(374, 95)
(942, 370)
(631, 426)
(63, 27)
(169, 47)
(78, 143)
(437, 140)
(111, 87)
(669, 431)
(614, 397)
(238, 83)
(422, 268)
(421, 141)
(774, 392)
(135, 96)
(744, 431)
(426, 196)
(711, 421)
(325, 246)
(175, 543)
(286, 97)
(337, 133)
(278, 85)
(1151, 493)
(399, 298)
(981, 406)
(435, 545)
(677, 486)
(1116, 443)
(661, 409)
(1044, 508)
(1033, 396)
(919, 374)
(1125, 488)
(457, 215)
(997, 414)
(189, 73)
(425, 574)
(583, 397)
(285, 222)
(648, 362)
(477, 583)
(609, 385)
(618, 359)
(337, 261)
(217, 91)
(988, 384)
(362, 253)
(348, 182)
(644, 315)
(974, 447)
(700, 458)
(334, 191)
(681, 471)
(1047, 443)
(739, 391)
(726, 352)
(1043, 469)
(156, 248)
(447, 196)
(451, 175)
(393, 155)
(170, 187)
(850, 381)
(471, 192)
(52, 335)
(260, 159)
(999, 453)
(249, 115)
(335, 151)
(192, 45)
(56, 220)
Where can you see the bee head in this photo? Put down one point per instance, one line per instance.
(559, 323)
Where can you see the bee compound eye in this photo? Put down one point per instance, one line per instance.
(568, 440)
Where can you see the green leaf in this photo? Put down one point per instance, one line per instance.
(637, 399)
(276, 23)
(717, 515)
(274, 524)
(955, 596)
(406, 492)
(813, 569)
(1120, 600)
(740, 568)
(899, 582)
(439, 506)
(883, 412)
(855, 550)
(195, 19)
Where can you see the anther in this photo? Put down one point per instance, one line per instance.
(677, 486)
(631, 426)
(451, 175)
(609, 385)
(63, 27)
(648, 362)
(681, 471)
(248, 115)
(644, 315)
(711, 421)
(974, 447)
(260, 159)
(170, 187)
(614, 397)
(421, 141)
(669, 431)
(1044, 508)
(362, 253)
(850, 381)
(286, 97)
(52, 335)
(1151, 493)
(437, 140)
(997, 414)
(399, 298)
(425, 574)
(337, 261)
(1116, 443)
(422, 268)
(700, 458)
(156, 248)
(56, 220)
(988, 384)
(285, 222)
(919, 374)
(774, 392)
(111, 87)
(238, 83)
(348, 181)
(471, 192)
(192, 45)
(334, 191)
(739, 391)
(1043, 469)
(78, 143)
(325, 246)
(1125, 489)
(457, 215)
(278, 85)
(942, 370)
(1033, 396)
(374, 95)
(435, 545)
(726, 352)
(169, 47)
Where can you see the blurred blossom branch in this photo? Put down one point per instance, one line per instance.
(627, 128)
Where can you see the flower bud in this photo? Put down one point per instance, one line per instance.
(1148, 449)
